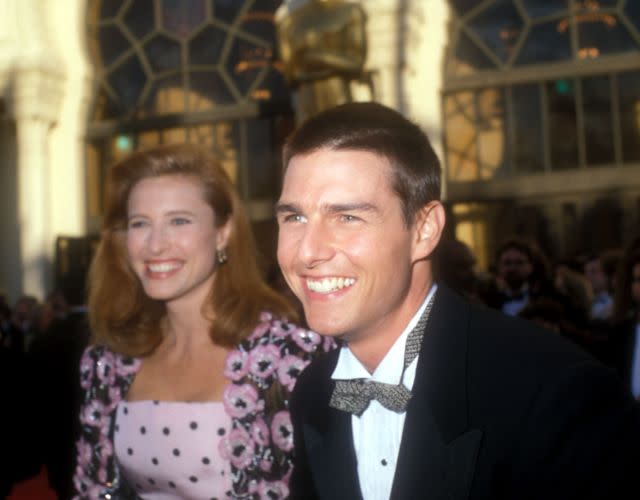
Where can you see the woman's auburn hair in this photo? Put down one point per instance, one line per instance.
(121, 315)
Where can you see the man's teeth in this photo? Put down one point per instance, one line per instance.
(328, 285)
(163, 268)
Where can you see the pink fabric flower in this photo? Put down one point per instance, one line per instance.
(84, 453)
(240, 400)
(280, 329)
(92, 414)
(105, 369)
(260, 432)
(86, 370)
(282, 430)
(306, 339)
(260, 330)
(236, 365)
(237, 447)
(288, 370)
(263, 360)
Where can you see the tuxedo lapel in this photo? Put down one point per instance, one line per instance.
(438, 452)
(329, 443)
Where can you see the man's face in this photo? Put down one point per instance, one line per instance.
(514, 267)
(343, 245)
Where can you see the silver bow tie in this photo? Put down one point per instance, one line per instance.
(354, 395)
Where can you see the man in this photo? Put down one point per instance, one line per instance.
(496, 408)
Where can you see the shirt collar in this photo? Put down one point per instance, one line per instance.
(390, 368)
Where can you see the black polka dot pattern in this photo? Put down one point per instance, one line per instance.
(143, 430)
(206, 461)
(154, 461)
(193, 426)
(221, 431)
(193, 479)
(176, 452)
(166, 431)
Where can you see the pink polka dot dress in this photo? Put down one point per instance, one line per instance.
(169, 450)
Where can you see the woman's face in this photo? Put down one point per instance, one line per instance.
(172, 239)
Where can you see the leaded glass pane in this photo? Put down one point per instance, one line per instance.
(182, 17)
(139, 18)
(273, 86)
(206, 47)
(598, 123)
(563, 133)
(208, 90)
(468, 57)
(109, 8)
(226, 10)
(492, 133)
(528, 145)
(541, 8)
(545, 43)
(128, 81)
(166, 96)
(464, 6)
(605, 34)
(112, 44)
(629, 92)
(163, 53)
(245, 63)
(461, 137)
(632, 11)
(499, 26)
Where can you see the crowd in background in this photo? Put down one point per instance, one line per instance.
(592, 300)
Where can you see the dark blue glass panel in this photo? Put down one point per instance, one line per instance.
(211, 86)
(182, 17)
(540, 8)
(163, 53)
(563, 132)
(103, 107)
(206, 47)
(109, 8)
(598, 123)
(140, 17)
(545, 44)
(463, 6)
(273, 87)
(469, 56)
(128, 81)
(528, 150)
(262, 160)
(603, 34)
(112, 44)
(632, 11)
(499, 26)
(245, 63)
(629, 92)
(226, 10)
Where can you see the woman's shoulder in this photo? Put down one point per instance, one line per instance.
(101, 363)
(272, 329)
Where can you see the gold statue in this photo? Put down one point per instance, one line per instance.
(323, 49)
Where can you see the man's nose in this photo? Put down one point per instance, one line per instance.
(316, 245)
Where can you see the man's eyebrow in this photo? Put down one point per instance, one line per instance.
(287, 207)
(350, 207)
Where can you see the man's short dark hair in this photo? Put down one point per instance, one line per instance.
(372, 127)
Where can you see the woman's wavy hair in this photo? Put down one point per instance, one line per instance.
(121, 315)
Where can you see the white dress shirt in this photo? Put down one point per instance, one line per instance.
(377, 432)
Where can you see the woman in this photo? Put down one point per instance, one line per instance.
(188, 380)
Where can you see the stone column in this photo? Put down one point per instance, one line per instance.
(36, 99)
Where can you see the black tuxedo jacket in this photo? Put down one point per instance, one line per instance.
(500, 410)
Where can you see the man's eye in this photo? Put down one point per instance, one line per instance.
(349, 218)
(293, 218)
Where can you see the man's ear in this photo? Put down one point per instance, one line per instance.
(428, 227)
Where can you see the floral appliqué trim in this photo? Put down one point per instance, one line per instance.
(262, 372)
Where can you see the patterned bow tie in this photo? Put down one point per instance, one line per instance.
(354, 396)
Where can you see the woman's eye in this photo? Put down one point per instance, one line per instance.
(180, 221)
(136, 224)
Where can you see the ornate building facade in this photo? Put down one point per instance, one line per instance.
(532, 105)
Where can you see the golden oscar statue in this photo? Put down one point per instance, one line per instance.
(323, 49)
